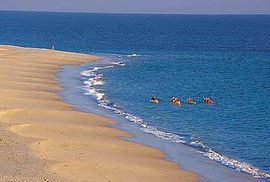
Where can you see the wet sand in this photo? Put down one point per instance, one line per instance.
(45, 139)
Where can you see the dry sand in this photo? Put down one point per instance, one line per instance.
(44, 139)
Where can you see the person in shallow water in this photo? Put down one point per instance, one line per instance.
(208, 100)
(189, 100)
(175, 100)
(154, 99)
(172, 99)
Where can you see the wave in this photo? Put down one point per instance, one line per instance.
(95, 79)
(133, 55)
(237, 165)
(119, 63)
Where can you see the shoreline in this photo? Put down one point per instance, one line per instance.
(185, 156)
(64, 144)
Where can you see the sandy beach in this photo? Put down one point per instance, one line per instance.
(45, 139)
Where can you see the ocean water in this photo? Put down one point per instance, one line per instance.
(224, 57)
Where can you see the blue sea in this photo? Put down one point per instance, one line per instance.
(225, 57)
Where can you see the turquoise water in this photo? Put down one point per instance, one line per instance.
(225, 57)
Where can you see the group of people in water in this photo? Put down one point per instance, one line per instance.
(176, 101)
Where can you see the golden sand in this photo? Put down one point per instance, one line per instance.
(44, 139)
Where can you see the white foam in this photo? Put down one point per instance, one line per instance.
(87, 73)
(119, 63)
(199, 144)
(96, 80)
(94, 92)
(237, 165)
(133, 55)
(164, 135)
(133, 118)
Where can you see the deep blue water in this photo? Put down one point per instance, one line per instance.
(225, 57)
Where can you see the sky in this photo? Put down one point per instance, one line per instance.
(142, 6)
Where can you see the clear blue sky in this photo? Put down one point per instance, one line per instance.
(140, 6)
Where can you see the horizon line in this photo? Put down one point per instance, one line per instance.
(131, 13)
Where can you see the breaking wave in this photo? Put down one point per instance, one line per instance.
(133, 55)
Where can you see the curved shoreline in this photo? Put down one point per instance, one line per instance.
(189, 158)
(66, 144)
